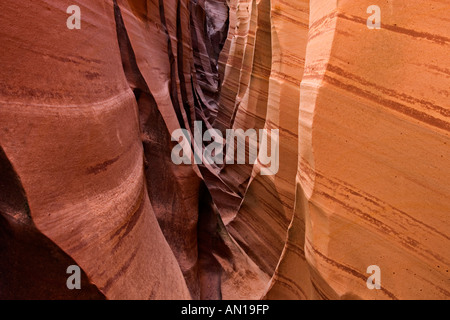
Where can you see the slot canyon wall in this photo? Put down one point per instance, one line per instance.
(87, 178)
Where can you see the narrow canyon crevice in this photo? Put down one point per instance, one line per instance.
(358, 116)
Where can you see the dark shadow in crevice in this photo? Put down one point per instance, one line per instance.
(32, 267)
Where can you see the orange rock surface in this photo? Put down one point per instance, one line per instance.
(87, 179)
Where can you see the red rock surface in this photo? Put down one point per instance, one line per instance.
(86, 176)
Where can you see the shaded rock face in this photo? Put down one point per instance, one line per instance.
(87, 178)
(30, 261)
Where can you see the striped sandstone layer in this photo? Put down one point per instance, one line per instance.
(86, 175)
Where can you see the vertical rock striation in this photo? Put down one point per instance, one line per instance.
(87, 178)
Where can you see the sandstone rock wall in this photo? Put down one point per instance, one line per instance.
(87, 179)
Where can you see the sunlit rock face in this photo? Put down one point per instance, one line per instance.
(87, 176)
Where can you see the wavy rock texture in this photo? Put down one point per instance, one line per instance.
(86, 174)
(374, 112)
